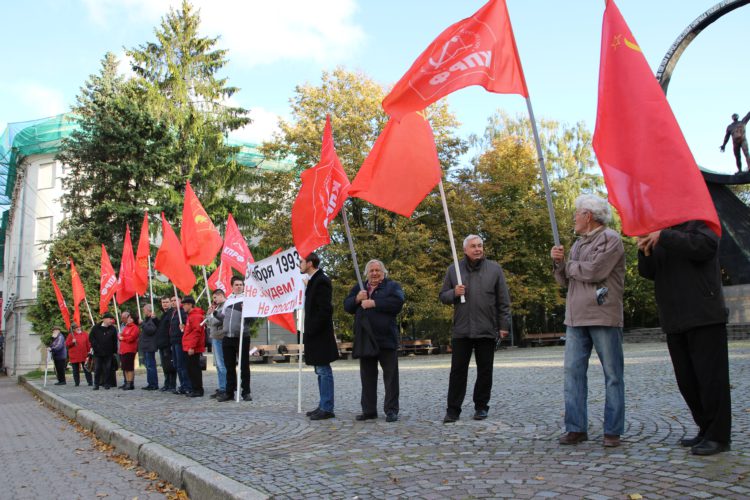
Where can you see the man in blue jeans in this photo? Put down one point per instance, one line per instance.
(147, 346)
(594, 274)
(176, 324)
(320, 343)
(216, 334)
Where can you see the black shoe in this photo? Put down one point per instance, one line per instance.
(149, 388)
(195, 394)
(77, 385)
(165, 389)
(391, 417)
(60, 383)
(130, 387)
(450, 418)
(366, 416)
(690, 442)
(106, 387)
(310, 413)
(480, 414)
(223, 397)
(216, 394)
(322, 415)
(247, 397)
(123, 386)
(708, 447)
(96, 388)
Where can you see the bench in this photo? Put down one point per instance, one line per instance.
(345, 349)
(539, 339)
(292, 354)
(268, 351)
(421, 346)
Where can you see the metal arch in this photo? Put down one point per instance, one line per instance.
(664, 74)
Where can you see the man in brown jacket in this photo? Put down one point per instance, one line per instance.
(594, 274)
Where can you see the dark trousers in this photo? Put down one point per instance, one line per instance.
(77, 367)
(701, 367)
(170, 374)
(231, 350)
(179, 358)
(103, 370)
(60, 365)
(193, 364)
(484, 355)
(368, 374)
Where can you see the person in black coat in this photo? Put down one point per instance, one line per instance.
(683, 262)
(164, 346)
(379, 302)
(103, 339)
(320, 343)
(177, 318)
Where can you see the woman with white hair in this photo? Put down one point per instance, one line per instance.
(594, 274)
(379, 302)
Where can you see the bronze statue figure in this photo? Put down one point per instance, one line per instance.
(736, 130)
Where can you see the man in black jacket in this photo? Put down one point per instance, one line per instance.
(179, 359)
(103, 338)
(147, 346)
(320, 343)
(477, 322)
(165, 348)
(683, 261)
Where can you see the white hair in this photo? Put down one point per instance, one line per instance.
(378, 262)
(598, 207)
(472, 237)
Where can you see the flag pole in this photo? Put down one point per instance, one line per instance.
(239, 360)
(450, 237)
(138, 305)
(301, 328)
(91, 316)
(46, 367)
(179, 316)
(351, 248)
(547, 192)
(117, 314)
(207, 289)
(150, 285)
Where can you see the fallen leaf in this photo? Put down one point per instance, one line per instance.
(539, 478)
(634, 496)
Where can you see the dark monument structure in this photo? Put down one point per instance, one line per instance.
(733, 213)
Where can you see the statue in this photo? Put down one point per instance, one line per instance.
(736, 130)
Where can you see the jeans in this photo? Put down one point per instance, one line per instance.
(152, 378)
(221, 369)
(607, 340)
(180, 364)
(484, 355)
(325, 386)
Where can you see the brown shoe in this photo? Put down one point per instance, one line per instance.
(611, 441)
(573, 438)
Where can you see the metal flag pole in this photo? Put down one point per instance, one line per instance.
(450, 237)
(179, 316)
(239, 360)
(207, 289)
(351, 248)
(301, 328)
(547, 192)
(138, 305)
(150, 285)
(117, 314)
(91, 316)
(46, 367)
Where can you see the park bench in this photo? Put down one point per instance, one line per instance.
(539, 339)
(345, 349)
(267, 352)
(421, 346)
(292, 354)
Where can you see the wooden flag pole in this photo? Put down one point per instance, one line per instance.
(179, 316)
(351, 248)
(150, 285)
(138, 305)
(450, 237)
(117, 314)
(208, 290)
(91, 316)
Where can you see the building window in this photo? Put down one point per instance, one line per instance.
(46, 178)
(43, 230)
(39, 275)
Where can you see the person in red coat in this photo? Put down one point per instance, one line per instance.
(128, 347)
(194, 343)
(78, 348)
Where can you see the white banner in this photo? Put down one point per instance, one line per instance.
(274, 285)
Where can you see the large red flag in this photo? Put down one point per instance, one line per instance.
(284, 320)
(60, 301)
(201, 240)
(402, 167)
(107, 283)
(651, 175)
(141, 258)
(79, 293)
(126, 280)
(235, 253)
(170, 259)
(321, 196)
(479, 50)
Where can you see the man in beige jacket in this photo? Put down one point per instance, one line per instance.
(594, 274)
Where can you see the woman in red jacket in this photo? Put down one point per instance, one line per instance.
(128, 347)
(194, 343)
(78, 348)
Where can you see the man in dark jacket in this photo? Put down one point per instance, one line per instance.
(176, 322)
(231, 317)
(164, 346)
(103, 339)
(379, 303)
(320, 343)
(147, 346)
(476, 324)
(684, 264)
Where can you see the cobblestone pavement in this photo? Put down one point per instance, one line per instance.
(43, 456)
(513, 454)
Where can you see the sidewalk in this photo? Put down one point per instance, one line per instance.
(264, 447)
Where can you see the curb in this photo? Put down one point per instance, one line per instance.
(198, 481)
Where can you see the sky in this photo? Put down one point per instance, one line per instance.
(50, 47)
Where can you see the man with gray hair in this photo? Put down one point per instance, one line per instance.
(594, 274)
(477, 321)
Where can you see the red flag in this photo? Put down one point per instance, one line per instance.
(479, 50)
(235, 253)
(141, 259)
(60, 301)
(402, 167)
(284, 320)
(126, 281)
(79, 293)
(201, 240)
(170, 260)
(107, 283)
(322, 194)
(221, 279)
(651, 175)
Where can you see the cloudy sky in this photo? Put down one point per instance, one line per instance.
(51, 46)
